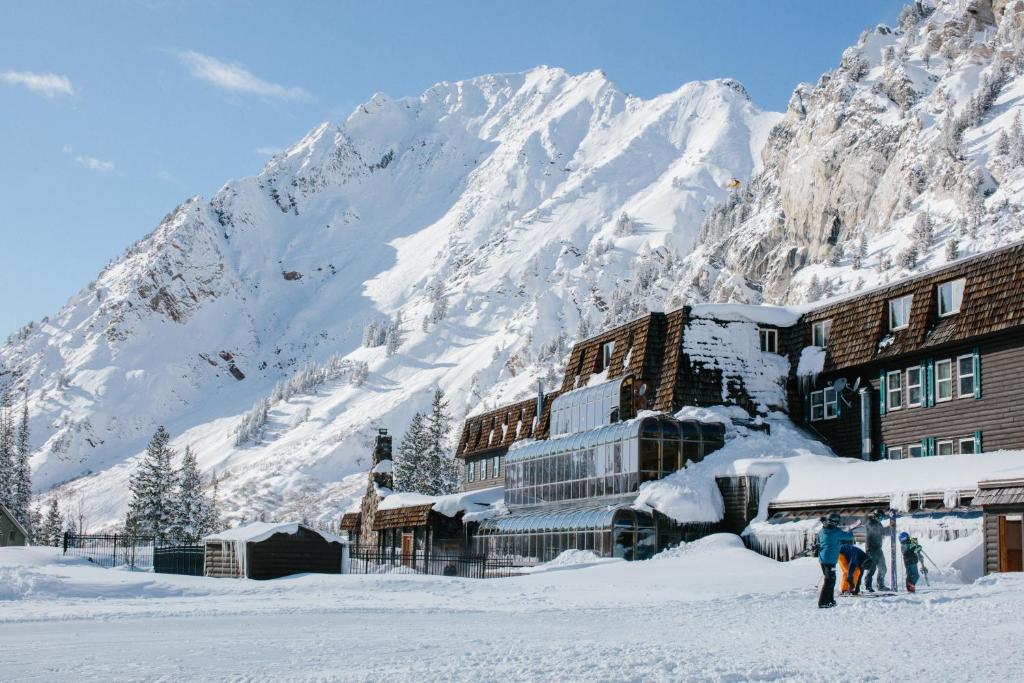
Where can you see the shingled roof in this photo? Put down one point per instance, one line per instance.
(498, 429)
(993, 301)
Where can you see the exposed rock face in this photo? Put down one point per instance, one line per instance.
(907, 124)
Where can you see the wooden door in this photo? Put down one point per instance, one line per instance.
(407, 550)
(1011, 543)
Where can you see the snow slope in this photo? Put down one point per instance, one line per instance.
(710, 610)
(526, 203)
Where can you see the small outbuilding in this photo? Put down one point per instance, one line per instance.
(268, 550)
(11, 531)
(1002, 502)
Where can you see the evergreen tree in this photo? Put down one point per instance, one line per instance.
(191, 507)
(923, 234)
(442, 472)
(213, 520)
(7, 459)
(21, 489)
(53, 526)
(393, 340)
(151, 511)
(408, 467)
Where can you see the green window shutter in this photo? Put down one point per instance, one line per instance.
(930, 378)
(924, 446)
(931, 445)
(883, 452)
(977, 441)
(923, 369)
(881, 393)
(807, 406)
(839, 406)
(977, 373)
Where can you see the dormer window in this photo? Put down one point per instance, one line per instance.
(769, 340)
(819, 333)
(899, 312)
(605, 357)
(951, 294)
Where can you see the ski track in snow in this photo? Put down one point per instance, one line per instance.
(712, 612)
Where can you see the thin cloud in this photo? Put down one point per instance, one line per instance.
(91, 163)
(48, 85)
(235, 77)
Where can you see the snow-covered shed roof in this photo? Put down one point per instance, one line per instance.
(816, 478)
(261, 531)
(450, 505)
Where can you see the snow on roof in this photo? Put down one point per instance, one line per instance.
(450, 505)
(384, 467)
(815, 477)
(261, 531)
(783, 316)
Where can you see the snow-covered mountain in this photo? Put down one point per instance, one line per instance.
(500, 216)
(503, 217)
(913, 143)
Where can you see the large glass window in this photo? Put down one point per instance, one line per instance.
(899, 312)
(950, 296)
(649, 459)
(819, 333)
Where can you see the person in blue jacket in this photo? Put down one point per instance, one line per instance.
(830, 539)
(853, 563)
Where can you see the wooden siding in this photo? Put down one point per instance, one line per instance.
(993, 301)
(220, 560)
(491, 480)
(991, 533)
(11, 533)
(998, 414)
(303, 552)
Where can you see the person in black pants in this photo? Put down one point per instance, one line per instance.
(830, 539)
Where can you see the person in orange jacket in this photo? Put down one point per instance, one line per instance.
(853, 562)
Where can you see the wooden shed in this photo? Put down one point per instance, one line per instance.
(1002, 502)
(268, 550)
(11, 531)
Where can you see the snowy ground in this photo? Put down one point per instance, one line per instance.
(710, 611)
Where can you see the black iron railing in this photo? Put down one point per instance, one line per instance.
(141, 553)
(394, 561)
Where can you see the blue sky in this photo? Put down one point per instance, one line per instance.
(112, 113)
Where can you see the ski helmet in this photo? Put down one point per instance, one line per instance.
(904, 535)
(877, 513)
(834, 518)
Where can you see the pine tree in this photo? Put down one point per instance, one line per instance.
(213, 520)
(408, 467)
(923, 234)
(21, 490)
(191, 507)
(393, 340)
(952, 249)
(53, 526)
(442, 472)
(151, 510)
(7, 453)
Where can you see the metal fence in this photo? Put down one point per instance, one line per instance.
(141, 553)
(394, 561)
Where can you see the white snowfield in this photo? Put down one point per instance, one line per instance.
(710, 610)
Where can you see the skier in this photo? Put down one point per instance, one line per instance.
(853, 562)
(830, 538)
(875, 533)
(913, 554)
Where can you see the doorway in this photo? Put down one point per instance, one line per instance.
(1011, 543)
(407, 549)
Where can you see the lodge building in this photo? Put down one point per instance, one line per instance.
(924, 366)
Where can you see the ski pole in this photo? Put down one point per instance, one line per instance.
(929, 558)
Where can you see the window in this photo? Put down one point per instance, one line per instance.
(894, 389)
(483, 469)
(914, 451)
(817, 405)
(769, 340)
(913, 387)
(965, 373)
(943, 380)
(899, 312)
(496, 466)
(605, 358)
(967, 445)
(896, 453)
(824, 404)
(470, 471)
(951, 294)
(944, 448)
(819, 333)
